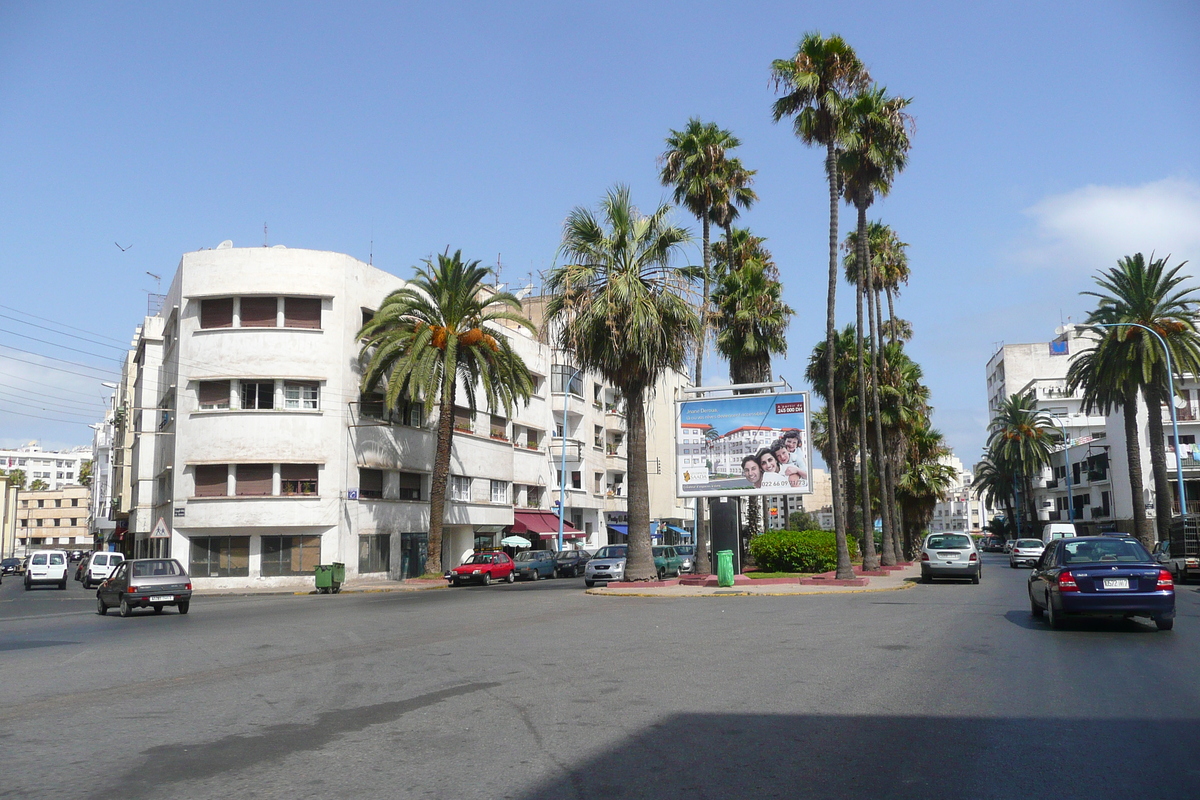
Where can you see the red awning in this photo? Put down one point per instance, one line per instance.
(543, 523)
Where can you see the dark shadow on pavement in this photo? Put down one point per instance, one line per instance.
(1088, 624)
(739, 756)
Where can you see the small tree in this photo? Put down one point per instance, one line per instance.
(802, 521)
(38, 485)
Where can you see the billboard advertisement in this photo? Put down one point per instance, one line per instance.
(744, 445)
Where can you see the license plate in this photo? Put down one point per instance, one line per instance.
(1116, 583)
(948, 556)
(163, 598)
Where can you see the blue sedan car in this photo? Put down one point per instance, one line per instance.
(1103, 576)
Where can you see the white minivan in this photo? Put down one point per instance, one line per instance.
(99, 567)
(1058, 530)
(46, 566)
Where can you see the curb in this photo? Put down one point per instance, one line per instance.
(736, 593)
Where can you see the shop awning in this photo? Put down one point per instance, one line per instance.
(540, 522)
(680, 530)
(621, 529)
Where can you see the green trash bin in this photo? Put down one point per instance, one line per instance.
(324, 576)
(339, 576)
(725, 568)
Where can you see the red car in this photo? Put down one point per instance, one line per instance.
(483, 567)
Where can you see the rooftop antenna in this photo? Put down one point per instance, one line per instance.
(264, 234)
(499, 267)
(157, 281)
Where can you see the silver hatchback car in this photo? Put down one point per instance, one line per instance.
(950, 555)
(607, 565)
(145, 583)
(1025, 552)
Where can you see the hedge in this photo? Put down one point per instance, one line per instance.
(798, 551)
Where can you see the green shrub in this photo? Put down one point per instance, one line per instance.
(798, 551)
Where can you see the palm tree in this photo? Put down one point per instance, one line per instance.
(38, 485)
(1147, 293)
(904, 408)
(995, 486)
(816, 81)
(619, 306)
(751, 319)
(709, 185)
(1023, 437)
(427, 338)
(924, 481)
(875, 149)
(17, 478)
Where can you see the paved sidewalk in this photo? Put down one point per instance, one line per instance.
(353, 586)
(903, 578)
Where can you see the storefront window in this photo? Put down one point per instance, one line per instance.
(220, 557)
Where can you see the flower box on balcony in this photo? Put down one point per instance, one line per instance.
(500, 437)
(463, 428)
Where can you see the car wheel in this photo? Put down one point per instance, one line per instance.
(1034, 609)
(1164, 624)
(535, 575)
(125, 608)
(27, 586)
(975, 578)
(662, 573)
(62, 585)
(1052, 617)
(158, 608)
(512, 577)
(486, 580)
(1012, 564)
(588, 583)
(183, 606)
(926, 579)
(87, 584)
(101, 609)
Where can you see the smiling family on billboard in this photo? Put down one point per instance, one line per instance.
(744, 445)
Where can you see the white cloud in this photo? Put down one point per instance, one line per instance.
(1091, 228)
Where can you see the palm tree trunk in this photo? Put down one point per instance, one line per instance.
(1155, 396)
(1133, 453)
(706, 254)
(885, 510)
(870, 559)
(640, 564)
(437, 484)
(844, 569)
(891, 316)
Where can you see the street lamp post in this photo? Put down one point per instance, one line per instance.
(1067, 468)
(1171, 405)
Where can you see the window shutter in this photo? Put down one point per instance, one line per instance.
(298, 472)
(370, 483)
(254, 479)
(302, 312)
(211, 480)
(214, 393)
(259, 312)
(216, 313)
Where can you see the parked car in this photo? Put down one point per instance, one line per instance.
(570, 562)
(1025, 552)
(992, 544)
(1101, 575)
(145, 583)
(46, 566)
(688, 553)
(607, 565)
(483, 568)
(1008, 545)
(10, 566)
(667, 560)
(1058, 530)
(950, 555)
(76, 555)
(535, 564)
(99, 567)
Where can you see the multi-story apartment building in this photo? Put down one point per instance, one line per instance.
(818, 501)
(55, 468)
(52, 518)
(253, 456)
(961, 510)
(8, 516)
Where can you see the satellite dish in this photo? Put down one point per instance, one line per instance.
(525, 292)
(278, 247)
(1181, 402)
(226, 245)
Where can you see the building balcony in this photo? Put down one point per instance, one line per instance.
(1099, 512)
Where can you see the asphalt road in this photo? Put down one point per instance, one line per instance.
(540, 691)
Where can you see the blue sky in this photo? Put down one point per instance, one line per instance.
(1051, 139)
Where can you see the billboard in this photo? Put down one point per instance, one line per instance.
(744, 445)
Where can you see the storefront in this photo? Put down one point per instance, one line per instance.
(541, 528)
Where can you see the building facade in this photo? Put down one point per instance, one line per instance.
(56, 468)
(253, 456)
(52, 519)
(961, 510)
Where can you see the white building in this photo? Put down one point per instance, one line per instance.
(961, 510)
(57, 468)
(254, 448)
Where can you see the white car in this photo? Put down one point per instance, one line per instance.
(46, 566)
(607, 565)
(99, 567)
(1026, 552)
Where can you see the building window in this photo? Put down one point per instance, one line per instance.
(460, 488)
(598, 437)
(258, 395)
(576, 480)
(500, 492)
(302, 312)
(290, 555)
(300, 395)
(370, 404)
(298, 479)
(370, 483)
(254, 480)
(220, 557)
(214, 394)
(74, 502)
(212, 480)
(562, 376)
(374, 552)
(410, 486)
(260, 312)
(216, 313)
(462, 420)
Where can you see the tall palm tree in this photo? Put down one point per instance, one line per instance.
(1023, 436)
(711, 186)
(924, 481)
(751, 320)
(815, 82)
(839, 450)
(619, 305)
(1144, 291)
(904, 408)
(875, 149)
(441, 331)
(994, 485)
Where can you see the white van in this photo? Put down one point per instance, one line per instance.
(47, 566)
(99, 567)
(1058, 530)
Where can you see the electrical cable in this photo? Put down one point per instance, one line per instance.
(51, 419)
(61, 360)
(62, 333)
(63, 324)
(55, 344)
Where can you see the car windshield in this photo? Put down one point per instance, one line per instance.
(660, 552)
(613, 551)
(1104, 551)
(481, 558)
(685, 550)
(949, 541)
(1028, 543)
(159, 566)
(526, 556)
(566, 554)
